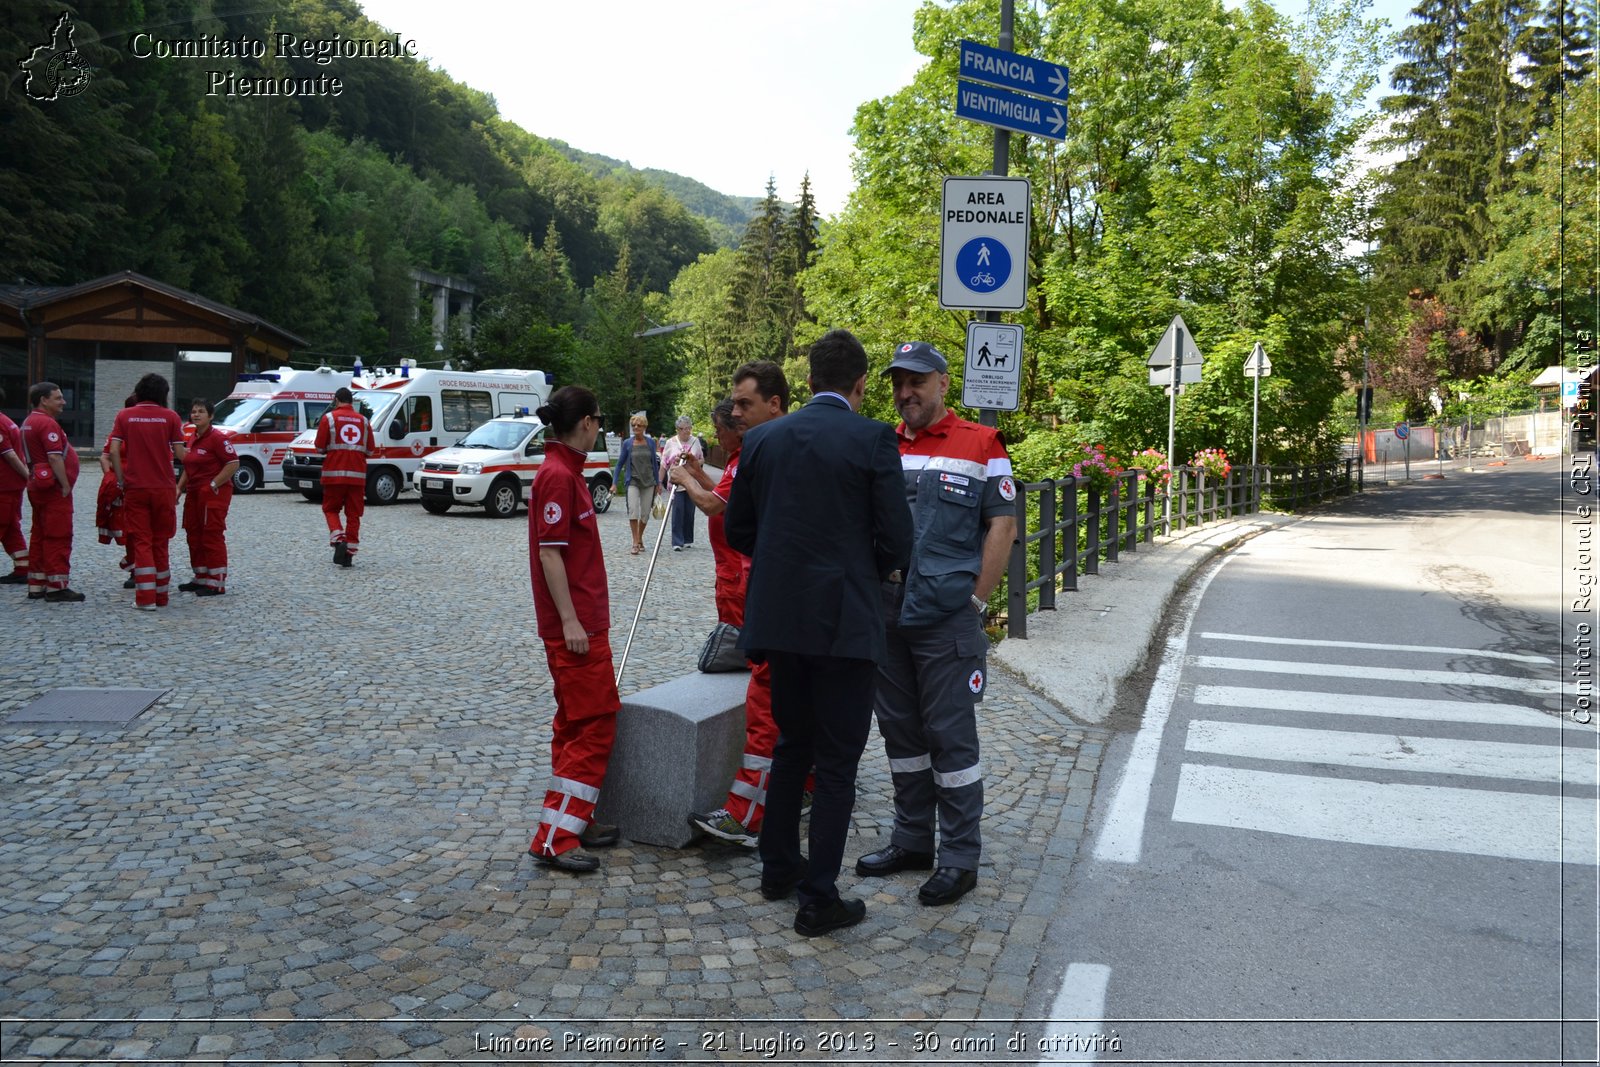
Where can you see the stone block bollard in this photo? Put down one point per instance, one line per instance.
(677, 749)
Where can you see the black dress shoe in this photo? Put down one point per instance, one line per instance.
(813, 920)
(131, 584)
(948, 885)
(573, 861)
(208, 590)
(63, 596)
(341, 554)
(36, 596)
(892, 858)
(15, 578)
(599, 835)
(185, 587)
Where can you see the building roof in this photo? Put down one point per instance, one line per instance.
(29, 297)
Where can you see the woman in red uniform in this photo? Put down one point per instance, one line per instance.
(108, 505)
(573, 605)
(206, 486)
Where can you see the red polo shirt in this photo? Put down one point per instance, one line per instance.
(147, 432)
(10, 441)
(562, 516)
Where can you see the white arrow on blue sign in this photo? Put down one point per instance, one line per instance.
(1010, 111)
(1008, 70)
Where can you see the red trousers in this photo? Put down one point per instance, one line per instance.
(747, 797)
(205, 522)
(149, 519)
(352, 500)
(11, 538)
(50, 557)
(108, 510)
(729, 589)
(584, 728)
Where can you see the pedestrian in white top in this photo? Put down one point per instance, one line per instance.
(684, 444)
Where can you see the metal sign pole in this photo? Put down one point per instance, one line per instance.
(1172, 421)
(1255, 416)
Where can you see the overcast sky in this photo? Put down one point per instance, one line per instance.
(723, 91)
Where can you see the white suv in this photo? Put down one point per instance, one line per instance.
(493, 466)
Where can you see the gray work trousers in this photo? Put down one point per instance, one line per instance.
(929, 684)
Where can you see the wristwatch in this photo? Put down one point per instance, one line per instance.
(981, 605)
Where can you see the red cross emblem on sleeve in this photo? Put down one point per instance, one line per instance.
(552, 513)
(975, 682)
(1008, 488)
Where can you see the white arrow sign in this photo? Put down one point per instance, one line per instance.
(1258, 365)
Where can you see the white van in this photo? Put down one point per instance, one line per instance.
(415, 415)
(264, 414)
(494, 466)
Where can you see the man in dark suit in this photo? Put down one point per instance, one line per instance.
(820, 507)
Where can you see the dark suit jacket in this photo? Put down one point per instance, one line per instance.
(820, 507)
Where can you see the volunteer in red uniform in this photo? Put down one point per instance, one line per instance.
(108, 505)
(144, 440)
(344, 437)
(53, 466)
(760, 393)
(573, 606)
(206, 486)
(13, 483)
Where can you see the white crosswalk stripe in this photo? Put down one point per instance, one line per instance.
(1328, 777)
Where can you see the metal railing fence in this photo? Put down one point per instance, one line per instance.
(1067, 526)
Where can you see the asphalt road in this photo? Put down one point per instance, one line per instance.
(1354, 823)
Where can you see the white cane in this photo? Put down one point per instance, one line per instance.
(665, 519)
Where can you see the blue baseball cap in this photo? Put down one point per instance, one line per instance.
(919, 357)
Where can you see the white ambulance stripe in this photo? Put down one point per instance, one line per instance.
(911, 763)
(1386, 674)
(1431, 755)
(1430, 817)
(1440, 649)
(1383, 707)
(575, 789)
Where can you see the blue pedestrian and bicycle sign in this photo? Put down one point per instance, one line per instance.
(983, 244)
(983, 265)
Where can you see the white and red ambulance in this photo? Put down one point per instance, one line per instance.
(494, 466)
(266, 412)
(415, 414)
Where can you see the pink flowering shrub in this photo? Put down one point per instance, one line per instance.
(1097, 467)
(1153, 462)
(1214, 461)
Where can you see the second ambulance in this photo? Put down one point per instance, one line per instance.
(414, 415)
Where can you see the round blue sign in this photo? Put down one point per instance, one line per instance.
(983, 264)
(1402, 430)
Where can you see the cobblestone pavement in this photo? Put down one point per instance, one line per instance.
(313, 846)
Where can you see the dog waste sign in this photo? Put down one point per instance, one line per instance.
(993, 377)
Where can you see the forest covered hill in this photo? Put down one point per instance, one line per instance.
(309, 209)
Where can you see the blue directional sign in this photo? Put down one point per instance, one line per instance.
(1010, 111)
(983, 264)
(1008, 70)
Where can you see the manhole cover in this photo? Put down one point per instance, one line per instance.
(79, 704)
